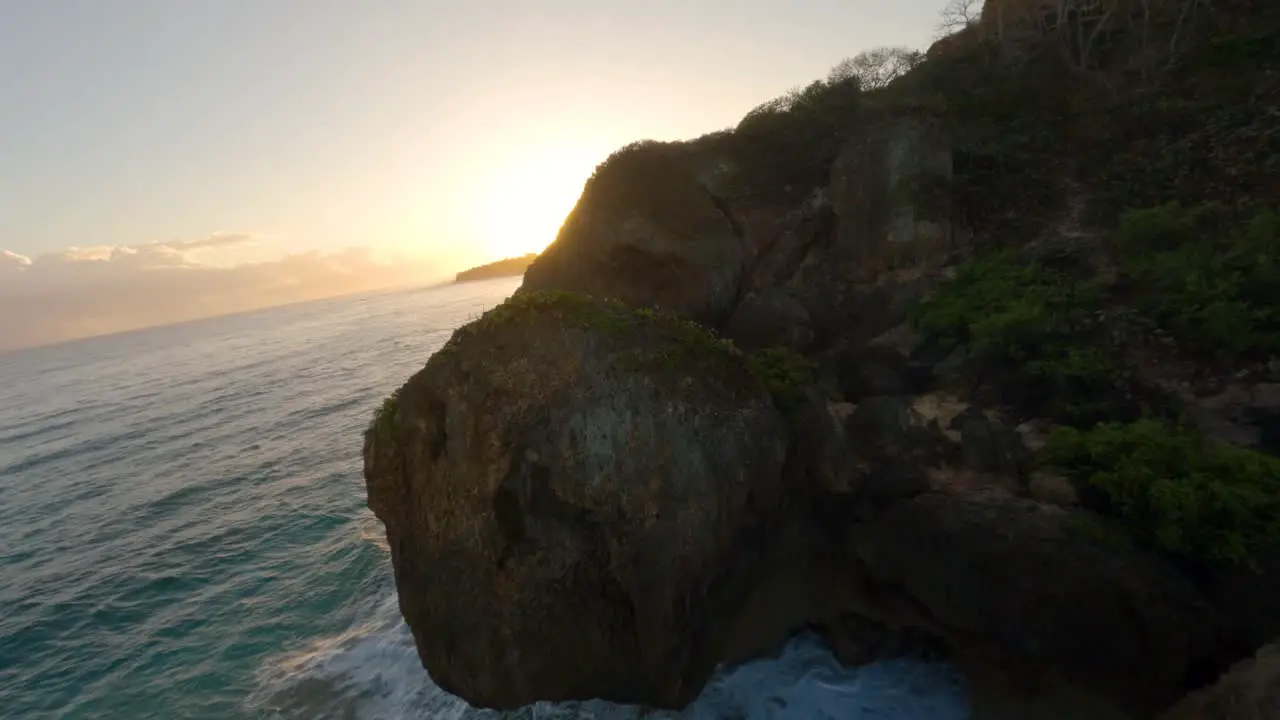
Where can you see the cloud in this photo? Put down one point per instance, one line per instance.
(13, 262)
(84, 291)
(216, 240)
(146, 256)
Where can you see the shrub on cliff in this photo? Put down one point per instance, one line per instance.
(385, 417)
(1177, 491)
(1039, 324)
(1211, 281)
(786, 374)
(789, 143)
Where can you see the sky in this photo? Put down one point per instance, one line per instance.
(224, 136)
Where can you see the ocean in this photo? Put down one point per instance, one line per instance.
(183, 533)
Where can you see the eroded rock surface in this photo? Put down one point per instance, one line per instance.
(587, 499)
(564, 486)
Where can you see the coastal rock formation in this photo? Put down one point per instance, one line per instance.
(646, 232)
(1031, 605)
(949, 369)
(563, 487)
(585, 501)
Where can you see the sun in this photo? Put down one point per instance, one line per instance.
(529, 198)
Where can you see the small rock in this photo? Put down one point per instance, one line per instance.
(1053, 489)
(879, 427)
(989, 446)
(1034, 433)
(952, 366)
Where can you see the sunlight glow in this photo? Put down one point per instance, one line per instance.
(523, 207)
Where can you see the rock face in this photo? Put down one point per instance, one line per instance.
(647, 232)
(583, 500)
(563, 487)
(770, 318)
(1019, 587)
(1250, 691)
(587, 498)
(891, 192)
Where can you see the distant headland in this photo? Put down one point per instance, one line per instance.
(501, 268)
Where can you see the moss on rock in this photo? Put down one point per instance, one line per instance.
(676, 337)
(385, 418)
(563, 460)
(786, 374)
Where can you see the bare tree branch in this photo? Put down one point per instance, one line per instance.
(876, 68)
(959, 15)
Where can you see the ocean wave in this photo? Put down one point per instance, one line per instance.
(182, 527)
(372, 672)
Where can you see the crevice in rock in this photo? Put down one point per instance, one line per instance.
(438, 440)
(744, 274)
(723, 206)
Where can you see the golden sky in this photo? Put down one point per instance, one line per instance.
(441, 134)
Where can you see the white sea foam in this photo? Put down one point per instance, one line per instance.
(372, 672)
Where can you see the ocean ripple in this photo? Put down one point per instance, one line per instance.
(183, 534)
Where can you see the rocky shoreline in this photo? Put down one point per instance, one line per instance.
(731, 403)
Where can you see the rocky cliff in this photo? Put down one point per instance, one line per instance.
(981, 364)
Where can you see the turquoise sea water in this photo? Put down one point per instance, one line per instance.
(183, 533)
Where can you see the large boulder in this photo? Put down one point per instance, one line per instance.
(649, 232)
(567, 487)
(1049, 616)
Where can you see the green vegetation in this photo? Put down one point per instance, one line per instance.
(786, 374)
(1003, 302)
(1212, 283)
(666, 341)
(1210, 279)
(669, 339)
(574, 308)
(1039, 327)
(386, 418)
(1176, 491)
(1207, 277)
